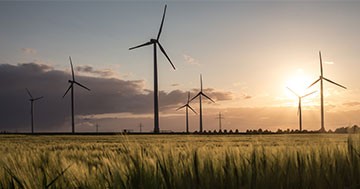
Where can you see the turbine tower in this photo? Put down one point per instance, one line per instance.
(156, 42)
(71, 86)
(200, 94)
(32, 100)
(187, 106)
(321, 79)
(299, 106)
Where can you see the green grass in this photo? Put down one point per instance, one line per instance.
(180, 161)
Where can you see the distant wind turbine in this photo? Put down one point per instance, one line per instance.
(199, 95)
(321, 79)
(299, 106)
(156, 42)
(32, 100)
(71, 86)
(187, 106)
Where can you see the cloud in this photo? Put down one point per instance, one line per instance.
(107, 96)
(190, 60)
(216, 95)
(91, 71)
(351, 104)
(29, 50)
(175, 85)
(34, 67)
(246, 96)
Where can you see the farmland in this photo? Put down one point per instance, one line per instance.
(180, 161)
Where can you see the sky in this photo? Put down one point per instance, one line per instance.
(248, 52)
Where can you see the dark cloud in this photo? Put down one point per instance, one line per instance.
(215, 95)
(90, 70)
(107, 95)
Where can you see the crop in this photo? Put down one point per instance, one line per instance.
(180, 161)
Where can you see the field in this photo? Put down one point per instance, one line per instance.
(180, 161)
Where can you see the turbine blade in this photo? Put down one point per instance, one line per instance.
(201, 87)
(191, 109)
(188, 97)
(72, 69)
(163, 51)
(29, 93)
(82, 86)
(162, 22)
(321, 65)
(207, 97)
(38, 98)
(181, 107)
(314, 83)
(145, 44)
(328, 80)
(298, 112)
(292, 91)
(195, 96)
(71, 85)
(308, 94)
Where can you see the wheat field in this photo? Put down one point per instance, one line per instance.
(180, 161)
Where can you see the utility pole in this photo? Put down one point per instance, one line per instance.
(97, 128)
(220, 117)
(140, 127)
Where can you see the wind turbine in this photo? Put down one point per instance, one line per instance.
(299, 106)
(156, 42)
(321, 79)
(32, 100)
(187, 106)
(200, 94)
(71, 86)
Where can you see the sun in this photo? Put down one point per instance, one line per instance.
(297, 82)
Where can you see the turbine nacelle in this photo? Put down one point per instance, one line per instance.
(72, 82)
(156, 43)
(187, 105)
(321, 79)
(32, 99)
